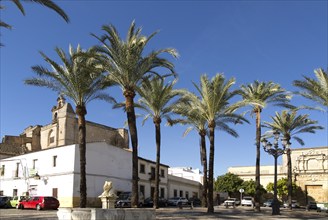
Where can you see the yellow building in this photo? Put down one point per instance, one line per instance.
(310, 172)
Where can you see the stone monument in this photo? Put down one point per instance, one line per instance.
(108, 197)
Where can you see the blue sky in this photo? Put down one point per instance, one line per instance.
(276, 41)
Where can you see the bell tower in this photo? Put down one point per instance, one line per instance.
(62, 129)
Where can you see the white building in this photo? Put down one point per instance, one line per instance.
(187, 173)
(47, 163)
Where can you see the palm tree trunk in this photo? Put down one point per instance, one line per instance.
(134, 141)
(158, 157)
(289, 176)
(204, 163)
(81, 112)
(210, 207)
(257, 198)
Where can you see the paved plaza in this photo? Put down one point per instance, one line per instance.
(236, 213)
(182, 214)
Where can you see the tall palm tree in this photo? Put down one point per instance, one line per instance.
(193, 117)
(80, 78)
(47, 3)
(316, 90)
(290, 124)
(215, 96)
(156, 101)
(258, 95)
(128, 67)
(190, 108)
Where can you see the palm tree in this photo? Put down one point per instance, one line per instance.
(188, 108)
(47, 3)
(128, 67)
(193, 117)
(156, 101)
(81, 79)
(289, 124)
(215, 98)
(258, 95)
(316, 90)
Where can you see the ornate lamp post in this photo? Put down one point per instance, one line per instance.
(275, 151)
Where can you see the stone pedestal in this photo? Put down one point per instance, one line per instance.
(107, 202)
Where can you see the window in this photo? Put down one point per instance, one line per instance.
(162, 173)
(142, 189)
(2, 173)
(187, 195)
(152, 171)
(142, 168)
(162, 191)
(55, 192)
(14, 192)
(175, 193)
(1, 192)
(54, 120)
(54, 161)
(181, 193)
(51, 137)
(17, 170)
(35, 161)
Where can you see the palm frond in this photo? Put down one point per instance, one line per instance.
(49, 4)
(80, 77)
(289, 124)
(315, 90)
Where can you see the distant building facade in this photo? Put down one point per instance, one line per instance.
(187, 173)
(310, 172)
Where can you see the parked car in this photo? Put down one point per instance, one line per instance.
(195, 201)
(161, 202)
(175, 201)
(39, 202)
(124, 200)
(231, 202)
(247, 200)
(5, 202)
(268, 203)
(311, 205)
(16, 199)
(295, 204)
(322, 207)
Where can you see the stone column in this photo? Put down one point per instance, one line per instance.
(107, 202)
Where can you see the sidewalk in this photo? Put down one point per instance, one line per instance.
(221, 212)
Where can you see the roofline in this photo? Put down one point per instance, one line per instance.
(150, 161)
(310, 148)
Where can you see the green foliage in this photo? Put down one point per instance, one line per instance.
(282, 188)
(228, 182)
(250, 187)
(269, 187)
(316, 90)
(290, 124)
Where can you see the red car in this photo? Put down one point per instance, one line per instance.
(39, 202)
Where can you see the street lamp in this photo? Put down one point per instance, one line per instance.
(275, 151)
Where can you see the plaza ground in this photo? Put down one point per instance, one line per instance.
(183, 214)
